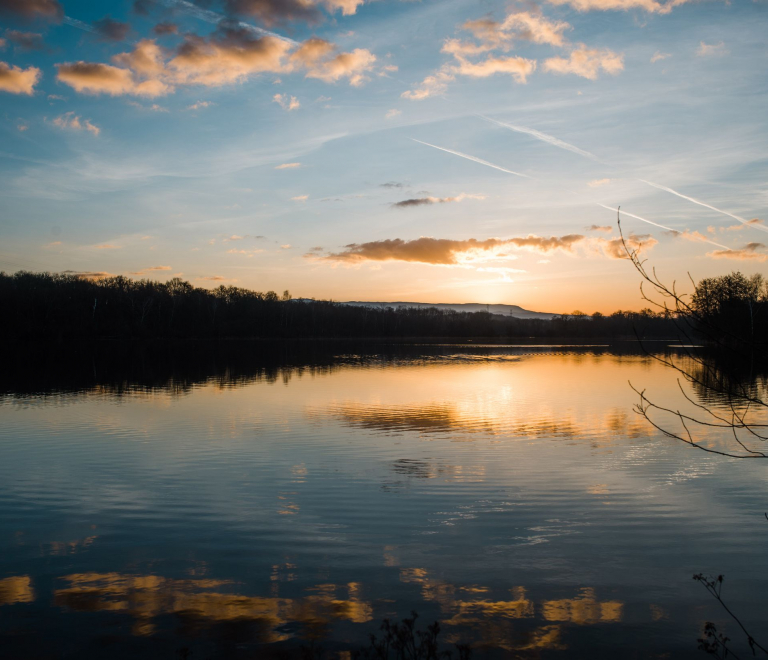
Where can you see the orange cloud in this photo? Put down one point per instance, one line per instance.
(16, 80)
(739, 227)
(605, 228)
(651, 6)
(88, 275)
(229, 56)
(443, 251)
(271, 12)
(614, 248)
(322, 61)
(288, 166)
(586, 62)
(750, 252)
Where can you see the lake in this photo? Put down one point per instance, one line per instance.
(241, 500)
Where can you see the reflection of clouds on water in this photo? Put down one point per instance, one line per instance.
(490, 620)
(16, 589)
(433, 418)
(147, 597)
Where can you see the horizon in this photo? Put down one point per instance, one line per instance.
(436, 152)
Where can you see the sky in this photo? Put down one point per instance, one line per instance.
(436, 151)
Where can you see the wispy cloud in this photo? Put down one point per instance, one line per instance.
(300, 198)
(544, 137)
(71, 121)
(708, 50)
(705, 205)
(472, 158)
(598, 182)
(286, 102)
(606, 228)
(658, 56)
(391, 114)
(288, 166)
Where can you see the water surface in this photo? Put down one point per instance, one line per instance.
(247, 499)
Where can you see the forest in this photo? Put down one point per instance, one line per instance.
(67, 307)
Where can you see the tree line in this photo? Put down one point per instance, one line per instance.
(68, 307)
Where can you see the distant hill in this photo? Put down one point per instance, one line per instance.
(504, 310)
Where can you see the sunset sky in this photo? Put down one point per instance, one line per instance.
(433, 151)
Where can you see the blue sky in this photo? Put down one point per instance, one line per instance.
(155, 152)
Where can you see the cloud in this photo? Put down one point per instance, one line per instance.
(586, 62)
(706, 50)
(391, 184)
(392, 113)
(286, 103)
(300, 198)
(50, 9)
(230, 55)
(151, 269)
(658, 56)
(519, 25)
(107, 246)
(753, 221)
(271, 12)
(16, 80)
(321, 61)
(215, 278)
(347, 7)
(747, 253)
(88, 275)
(165, 28)
(442, 251)
(71, 121)
(491, 35)
(422, 201)
(26, 40)
(144, 7)
(598, 182)
(544, 137)
(614, 248)
(288, 166)
(111, 30)
(518, 67)
(651, 6)
(605, 228)
(97, 78)
(200, 105)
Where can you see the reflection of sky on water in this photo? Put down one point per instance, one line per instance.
(518, 501)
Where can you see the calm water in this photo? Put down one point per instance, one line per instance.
(241, 499)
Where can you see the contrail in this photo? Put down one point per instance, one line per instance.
(709, 206)
(215, 18)
(544, 137)
(80, 25)
(468, 157)
(656, 224)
